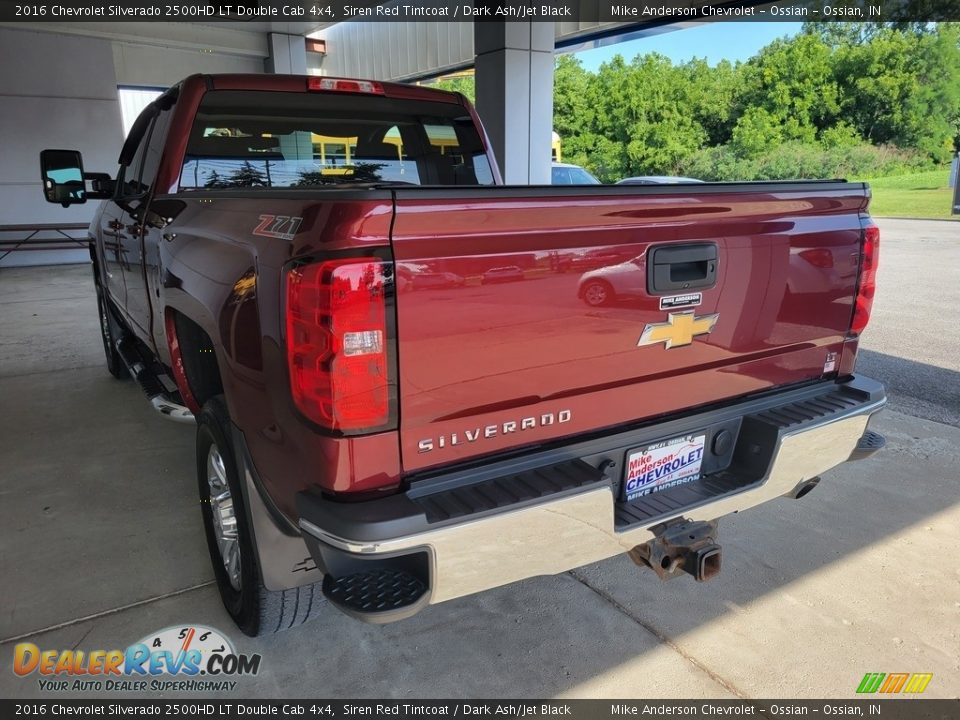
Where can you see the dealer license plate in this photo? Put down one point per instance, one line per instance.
(663, 465)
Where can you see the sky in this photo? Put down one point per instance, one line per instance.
(715, 41)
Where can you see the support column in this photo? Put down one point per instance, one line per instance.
(288, 54)
(514, 83)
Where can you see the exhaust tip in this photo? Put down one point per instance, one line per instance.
(804, 488)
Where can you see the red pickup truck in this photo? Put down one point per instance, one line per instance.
(412, 383)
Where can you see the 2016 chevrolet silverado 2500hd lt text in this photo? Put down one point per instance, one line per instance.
(412, 383)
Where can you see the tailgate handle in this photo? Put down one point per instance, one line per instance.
(681, 267)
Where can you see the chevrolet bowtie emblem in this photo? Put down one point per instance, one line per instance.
(680, 329)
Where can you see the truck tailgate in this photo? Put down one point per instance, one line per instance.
(500, 347)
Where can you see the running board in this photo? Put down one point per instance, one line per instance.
(156, 384)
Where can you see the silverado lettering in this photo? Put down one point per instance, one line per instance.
(412, 379)
(489, 431)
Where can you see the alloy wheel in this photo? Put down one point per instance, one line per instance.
(224, 517)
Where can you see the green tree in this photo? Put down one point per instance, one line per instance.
(247, 176)
(756, 131)
(843, 134)
(361, 172)
(216, 181)
(794, 81)
(858, 99)
(840, 34)
(641, 109)
(574, 117)
(464, 84)
(713, 95)
(903, 88)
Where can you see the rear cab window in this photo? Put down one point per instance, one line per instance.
(262, 139)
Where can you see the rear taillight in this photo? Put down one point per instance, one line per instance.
(351, 86)
(336, 320)
(867, 282)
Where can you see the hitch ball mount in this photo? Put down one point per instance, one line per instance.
(681, 546)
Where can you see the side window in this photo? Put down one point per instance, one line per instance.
(131, 185)
(154, 150)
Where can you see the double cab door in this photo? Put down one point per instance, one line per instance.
(128, 242)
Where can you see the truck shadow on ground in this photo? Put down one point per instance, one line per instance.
(916, 388)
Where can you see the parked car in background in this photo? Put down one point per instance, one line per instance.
(507, 273)
(437, 280)
(422, 277)
(606, 284)
(565, 174)
(657, 180)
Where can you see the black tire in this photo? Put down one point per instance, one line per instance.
(597, 293)
(255, 610)
(109, 333)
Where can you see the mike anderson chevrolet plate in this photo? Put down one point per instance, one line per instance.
(663, 465)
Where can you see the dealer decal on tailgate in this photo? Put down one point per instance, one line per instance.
(663, 465)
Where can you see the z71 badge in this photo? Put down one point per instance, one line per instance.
(283, 227)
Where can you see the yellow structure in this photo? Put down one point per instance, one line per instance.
(336, 154)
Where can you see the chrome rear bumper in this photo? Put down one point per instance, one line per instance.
(581, 527)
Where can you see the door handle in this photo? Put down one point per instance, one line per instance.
(673, 268)
(115, 225)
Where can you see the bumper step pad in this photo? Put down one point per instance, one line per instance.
(508, 491)
(752, 455)
(378, 595)
(870, 443)
(671, 502)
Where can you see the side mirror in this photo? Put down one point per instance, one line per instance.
(62, 174)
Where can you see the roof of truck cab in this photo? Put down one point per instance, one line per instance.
(298, 83)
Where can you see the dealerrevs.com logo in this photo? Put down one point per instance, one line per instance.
(181, 658)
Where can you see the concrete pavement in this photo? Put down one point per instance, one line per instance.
(913, 341)
(101, 542)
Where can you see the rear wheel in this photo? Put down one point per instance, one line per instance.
(224, 518)
(236, 566)
(109, 333)
(597, 293)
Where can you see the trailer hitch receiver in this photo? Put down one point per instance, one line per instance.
(681, 546)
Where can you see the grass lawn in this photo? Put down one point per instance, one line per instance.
(919, 195)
